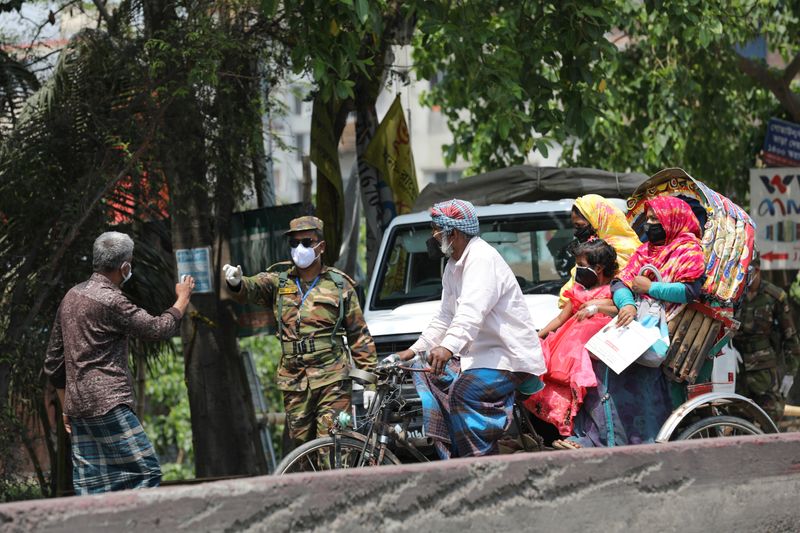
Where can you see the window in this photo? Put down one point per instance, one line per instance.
(447, 176)
(298, 103)
(535, 246)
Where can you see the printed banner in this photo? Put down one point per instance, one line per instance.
(775, 209)
(782, 143)
(376, 197)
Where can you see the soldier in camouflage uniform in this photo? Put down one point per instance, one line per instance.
(315, 307)
(768, 342)
(794, 294)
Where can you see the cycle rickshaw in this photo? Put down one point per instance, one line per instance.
(698, 331)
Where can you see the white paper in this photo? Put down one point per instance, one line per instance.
(620, 347)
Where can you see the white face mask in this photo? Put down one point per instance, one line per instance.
(126, 277)
(304, 257)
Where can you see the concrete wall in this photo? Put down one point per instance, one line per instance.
(734, 484)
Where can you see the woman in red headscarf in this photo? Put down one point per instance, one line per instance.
(673, 248)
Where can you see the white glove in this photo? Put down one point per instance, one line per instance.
(369, 397)
(233, 275)
(390, 360)
(786, 385)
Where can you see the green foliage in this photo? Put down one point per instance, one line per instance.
(676, 96)
(524, 72)
(167, 419)
(266, 352)
(623, 85)
(335, 41)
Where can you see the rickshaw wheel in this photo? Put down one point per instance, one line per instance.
(719, 426)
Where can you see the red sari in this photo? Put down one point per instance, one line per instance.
(569, 367)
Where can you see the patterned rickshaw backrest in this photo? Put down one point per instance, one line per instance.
(728, 231)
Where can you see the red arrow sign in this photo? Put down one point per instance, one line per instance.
(773, 256)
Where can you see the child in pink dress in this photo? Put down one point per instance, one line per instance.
(588, 308)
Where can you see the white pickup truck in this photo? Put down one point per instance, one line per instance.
(406, 289)
(524, 213)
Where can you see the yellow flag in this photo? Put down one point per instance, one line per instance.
(390, 152)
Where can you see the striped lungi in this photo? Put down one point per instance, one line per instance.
(466, 413)
(112, 452)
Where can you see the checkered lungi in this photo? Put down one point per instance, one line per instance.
(467, 413)
(111, 452)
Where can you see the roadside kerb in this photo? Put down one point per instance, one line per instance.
(730, 484)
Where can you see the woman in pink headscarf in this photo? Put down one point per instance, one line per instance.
(673, 248)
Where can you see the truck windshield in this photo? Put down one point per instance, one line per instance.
(536, 247)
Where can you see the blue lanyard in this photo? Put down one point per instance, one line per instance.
(304, 296)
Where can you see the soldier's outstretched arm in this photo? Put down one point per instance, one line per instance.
(361, 344)
(258, 289)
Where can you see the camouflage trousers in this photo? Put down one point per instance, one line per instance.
(763, 387)
(311, 412)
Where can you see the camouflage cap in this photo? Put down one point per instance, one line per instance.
(305, 223)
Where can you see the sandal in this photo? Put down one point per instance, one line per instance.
(508, 446)
(564, 444)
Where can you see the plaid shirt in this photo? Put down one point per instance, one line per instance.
(88, 351)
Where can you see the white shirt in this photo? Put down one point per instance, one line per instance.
(483, 316)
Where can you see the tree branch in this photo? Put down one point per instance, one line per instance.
(776, 85)
(104, 14)
(791, 70)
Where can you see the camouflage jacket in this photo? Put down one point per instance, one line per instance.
(794, 290)
(767, 326)
(310, 357)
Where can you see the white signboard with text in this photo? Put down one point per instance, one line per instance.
(775, 208)
(197, 263)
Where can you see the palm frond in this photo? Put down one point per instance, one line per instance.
(17, 83)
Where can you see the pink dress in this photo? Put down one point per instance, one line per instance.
(569, 368)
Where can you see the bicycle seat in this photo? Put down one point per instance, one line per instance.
(363, 377)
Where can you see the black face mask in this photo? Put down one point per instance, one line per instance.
(434, 249)
(583, 233)
(655, 233)
(585, 276)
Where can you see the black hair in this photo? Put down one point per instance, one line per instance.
(579, 213)
(599, 252)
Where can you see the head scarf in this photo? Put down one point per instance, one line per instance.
(680, 258)
(610, 225)
(456, 214)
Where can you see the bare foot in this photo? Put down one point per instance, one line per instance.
(563, 444)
